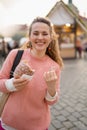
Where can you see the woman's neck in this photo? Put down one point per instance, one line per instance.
(38, 54)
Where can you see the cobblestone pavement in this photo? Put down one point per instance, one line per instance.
(70, 113)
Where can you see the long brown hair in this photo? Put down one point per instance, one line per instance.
(53, 48)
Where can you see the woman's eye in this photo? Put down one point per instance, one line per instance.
(45, 34)
(36, 34)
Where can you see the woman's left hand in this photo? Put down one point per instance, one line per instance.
(51, 80)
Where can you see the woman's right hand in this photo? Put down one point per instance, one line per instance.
(20, 83)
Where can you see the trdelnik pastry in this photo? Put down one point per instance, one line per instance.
(23, 70)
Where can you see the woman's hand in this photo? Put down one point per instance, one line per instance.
(20, 83)
(51, 80)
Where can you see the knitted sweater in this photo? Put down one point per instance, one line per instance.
(28, 109)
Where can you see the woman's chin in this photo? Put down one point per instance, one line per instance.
(40, 48)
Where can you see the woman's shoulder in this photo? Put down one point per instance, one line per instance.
(52, 62)
(12, 54)
(13, 51)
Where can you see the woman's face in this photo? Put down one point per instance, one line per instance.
(40, 36)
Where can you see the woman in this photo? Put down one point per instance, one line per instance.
(28, 105)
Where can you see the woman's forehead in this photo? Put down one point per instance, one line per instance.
(40, 26)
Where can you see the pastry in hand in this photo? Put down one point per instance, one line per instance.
(23, 70)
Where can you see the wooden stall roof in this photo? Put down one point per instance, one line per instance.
(70, 12)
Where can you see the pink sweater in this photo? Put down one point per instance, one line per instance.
(28, 109)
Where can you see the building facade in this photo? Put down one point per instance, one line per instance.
(69, 25)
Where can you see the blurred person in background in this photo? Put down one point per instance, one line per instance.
(4, 49)
(12, 45)
(79, 47)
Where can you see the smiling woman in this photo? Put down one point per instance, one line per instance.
(31, 98)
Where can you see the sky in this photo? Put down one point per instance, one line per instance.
(24, 11)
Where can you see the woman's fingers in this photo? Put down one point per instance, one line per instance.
(20, 83)
(50, 75)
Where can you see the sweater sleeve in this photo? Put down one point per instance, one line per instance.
(48, 97)
(5, 70)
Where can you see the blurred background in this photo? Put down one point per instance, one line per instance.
(69, 18)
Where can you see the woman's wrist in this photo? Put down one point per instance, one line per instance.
(51, 90)
(51, 98)
(9, 85)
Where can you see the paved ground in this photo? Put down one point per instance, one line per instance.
(70, 113)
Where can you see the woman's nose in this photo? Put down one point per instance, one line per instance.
(40, 36)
